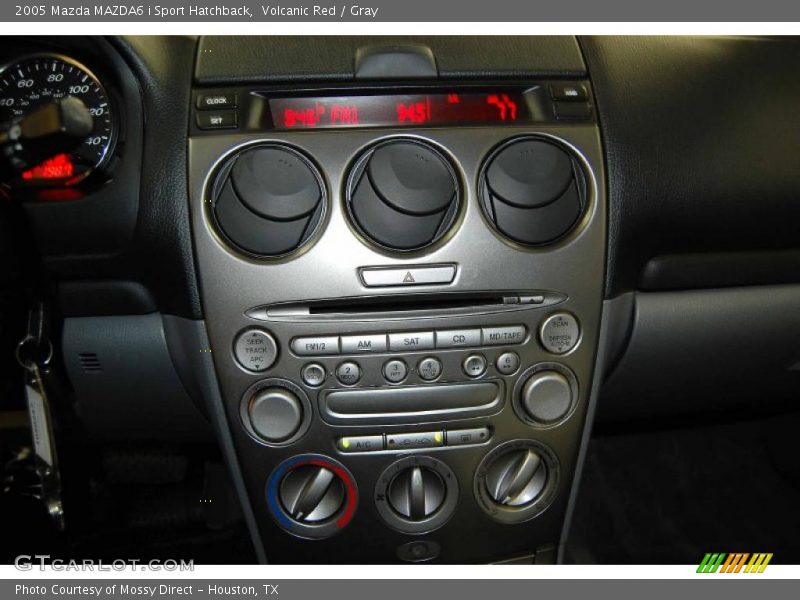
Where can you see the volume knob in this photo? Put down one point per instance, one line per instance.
(275, 414)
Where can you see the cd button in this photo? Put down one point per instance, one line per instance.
(457, 338)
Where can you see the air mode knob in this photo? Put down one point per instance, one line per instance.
(516, 478)
(517, 481)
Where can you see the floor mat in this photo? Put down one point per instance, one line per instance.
(668, 497)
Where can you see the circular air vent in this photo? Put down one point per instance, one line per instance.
(532, 190)
(402, 195)
(268, 200)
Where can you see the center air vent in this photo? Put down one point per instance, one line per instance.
(532, 190)
(268, 200)
(402, 195)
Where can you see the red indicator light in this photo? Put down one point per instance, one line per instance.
(58, 167)
(507, 108)
(453, 99)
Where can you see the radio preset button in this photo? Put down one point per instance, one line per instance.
(311, 346)
(355, 344)
(429, 368)
(560, 333)
(255, 350)
(475, 365)
(420, 340)
(360, 443)
(458, 338)
(498, 336)
(313, 374)
(348, 373)
(508, 363)
(395, 371)
(424, 439)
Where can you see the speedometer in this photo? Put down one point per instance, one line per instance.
(36, 80)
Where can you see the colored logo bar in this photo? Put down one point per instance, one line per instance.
(736, 562)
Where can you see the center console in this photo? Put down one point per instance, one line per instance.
(402, 287)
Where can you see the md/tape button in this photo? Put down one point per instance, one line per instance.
(498, 336)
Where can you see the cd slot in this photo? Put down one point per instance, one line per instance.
(405, 306)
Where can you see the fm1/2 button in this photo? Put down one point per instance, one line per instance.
(348, 373)
(559, 333)
(255, 350)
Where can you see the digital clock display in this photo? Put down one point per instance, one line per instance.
(405, 110)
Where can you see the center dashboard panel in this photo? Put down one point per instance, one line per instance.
(402, 286)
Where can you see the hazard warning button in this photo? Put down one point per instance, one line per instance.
(405, 276)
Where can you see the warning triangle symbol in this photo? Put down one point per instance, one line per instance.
(409, 278)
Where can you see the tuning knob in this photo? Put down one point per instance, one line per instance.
(416, 493)
(311, 494)
(516, 481)
(545, 394)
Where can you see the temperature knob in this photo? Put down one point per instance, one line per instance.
(312, 496)
(516, 478)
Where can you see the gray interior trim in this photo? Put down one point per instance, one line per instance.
(195, 340)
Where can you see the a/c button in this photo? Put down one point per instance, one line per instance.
(360, 443)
